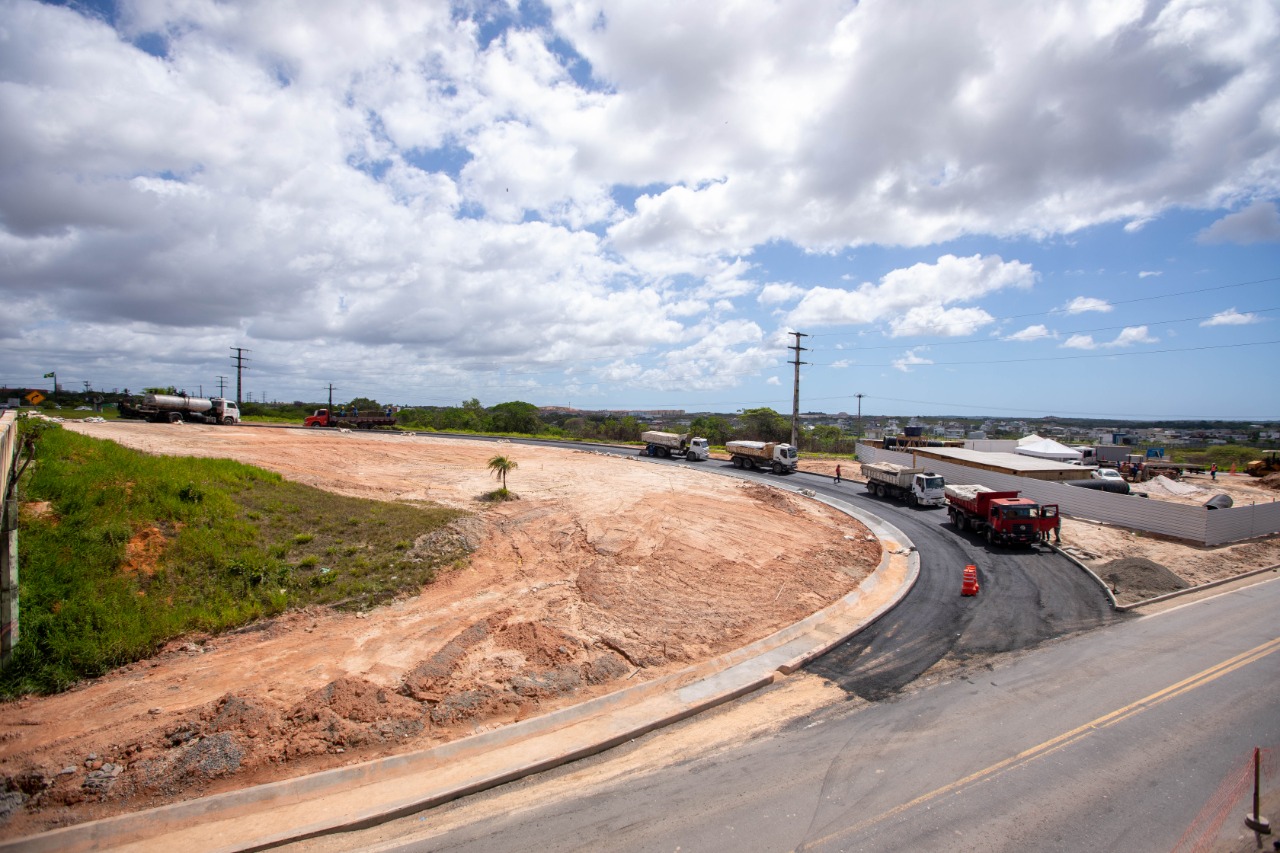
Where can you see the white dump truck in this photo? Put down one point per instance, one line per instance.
(668, 444)
(778, 458)
(172, 408)
(916, 486)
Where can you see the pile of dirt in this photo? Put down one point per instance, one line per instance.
(1271, 481)
(607, 572)
(1134, 579)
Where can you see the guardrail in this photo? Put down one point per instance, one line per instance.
(1192, 523)
(8, 536)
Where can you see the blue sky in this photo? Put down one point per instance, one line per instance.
(973, 208)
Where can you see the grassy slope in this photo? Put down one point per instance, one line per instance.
(135, 550)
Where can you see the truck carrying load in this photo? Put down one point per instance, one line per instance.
(175, 408)
(916, 486)
(350, 420)
(778, 458)
(668, 444)
(1002, 517)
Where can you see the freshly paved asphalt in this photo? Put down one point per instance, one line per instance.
(1114, 740)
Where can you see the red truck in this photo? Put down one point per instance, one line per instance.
(325, 418)
(1002, 517)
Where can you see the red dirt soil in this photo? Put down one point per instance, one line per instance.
(606, 571)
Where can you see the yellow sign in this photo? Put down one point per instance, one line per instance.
(35, 398)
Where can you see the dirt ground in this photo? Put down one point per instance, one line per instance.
(606, 571)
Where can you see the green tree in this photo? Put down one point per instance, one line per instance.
(515, 416)
(713, 428)
(500, 465)
(364, 404)
(764, 424)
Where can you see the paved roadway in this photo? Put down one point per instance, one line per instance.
(1111, 740)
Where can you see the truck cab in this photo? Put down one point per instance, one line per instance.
(226, 411)
(929, 489)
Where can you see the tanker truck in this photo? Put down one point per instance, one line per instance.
(916, 486)
(778, 458)
(173, 408)
(668, 444)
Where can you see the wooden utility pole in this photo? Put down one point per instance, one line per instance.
(859, 396)
(795, 396)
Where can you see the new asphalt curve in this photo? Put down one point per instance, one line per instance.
(1028, 595)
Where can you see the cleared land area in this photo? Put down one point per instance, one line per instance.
(605, 571)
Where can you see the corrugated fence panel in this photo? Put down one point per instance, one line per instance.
(8, 441)
(1194, 523)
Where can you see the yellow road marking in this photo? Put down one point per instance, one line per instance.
(1067, 738)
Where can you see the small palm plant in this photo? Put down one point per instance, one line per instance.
(500, 465)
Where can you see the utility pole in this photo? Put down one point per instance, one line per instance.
(330, 396)
(86, 386)
(859, 396)
(222, 386)
(795, 396)
(239, 359)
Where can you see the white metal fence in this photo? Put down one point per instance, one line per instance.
(1194, 523)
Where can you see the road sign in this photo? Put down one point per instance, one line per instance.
(35, 398)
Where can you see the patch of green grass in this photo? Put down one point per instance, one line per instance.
(230, 544)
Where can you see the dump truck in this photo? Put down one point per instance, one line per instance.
(773, 456)
(668, 444)
(350, 420)
(1002, 517)
(175, 408)
(916, 486)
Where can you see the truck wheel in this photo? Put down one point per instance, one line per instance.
(228, 420)
(666, 452)
(737, 462)
(316, 424)
(777, 468)
(991, 536)
(960, 522)
(911, 499)
(175, 417)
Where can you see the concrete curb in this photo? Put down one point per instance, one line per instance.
(1111, 596)
(383, 789)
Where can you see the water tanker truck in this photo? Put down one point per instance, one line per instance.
(916, 486)
(668, 444)
(1002, 517)
(173, 408)
(778, 458)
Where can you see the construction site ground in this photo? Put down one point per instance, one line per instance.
(607, 571)
(604, 573)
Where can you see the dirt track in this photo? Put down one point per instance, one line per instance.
(605, 571)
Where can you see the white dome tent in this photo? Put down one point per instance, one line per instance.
(1047, 448)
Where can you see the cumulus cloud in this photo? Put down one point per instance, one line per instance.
(1149, 273)
(913, 300)
(445, 188)
(1083, 304)
(1031, 333)
(909, 359)
(1232, 317)
(1128, 336)
(1257, 223)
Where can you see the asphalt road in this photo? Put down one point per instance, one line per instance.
(1112, 740)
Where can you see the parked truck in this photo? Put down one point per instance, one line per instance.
(1002, 517)
(174, 408)
(668, 444)
(775, 457)
(916, 486)
(350, 420)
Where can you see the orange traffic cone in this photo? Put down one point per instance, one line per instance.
(970, 585)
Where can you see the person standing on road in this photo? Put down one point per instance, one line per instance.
(1213, 472)
(837, 474)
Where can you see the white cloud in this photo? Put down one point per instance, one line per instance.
(1257, 223)
(1080, 342)
(1128, 336)
(1031, 333)
(1081, 304)
(910, 359)
(1149, 273)
(911, 299)
(1231, 317)
(841, 364)
(775, 293)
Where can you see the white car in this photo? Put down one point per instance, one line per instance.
(1107, 474)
